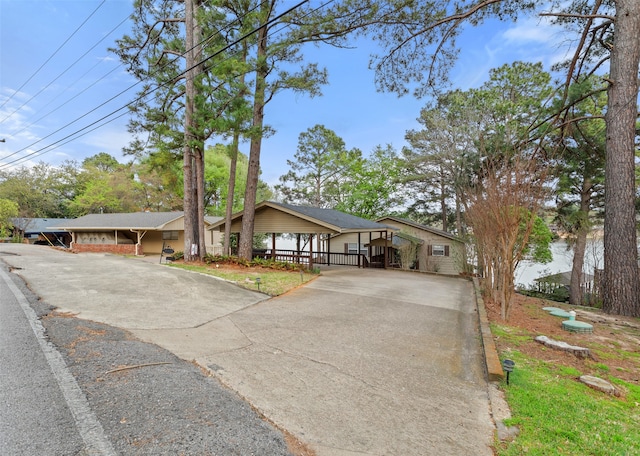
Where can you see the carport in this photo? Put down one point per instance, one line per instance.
(281, 218)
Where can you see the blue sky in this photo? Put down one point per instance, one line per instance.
(32, 30)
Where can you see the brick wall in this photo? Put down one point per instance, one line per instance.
(120, 249)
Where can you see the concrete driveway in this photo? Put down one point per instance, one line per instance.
(358, 362)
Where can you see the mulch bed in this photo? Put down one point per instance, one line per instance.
(615, 341)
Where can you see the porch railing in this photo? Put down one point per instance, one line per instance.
(326, 258)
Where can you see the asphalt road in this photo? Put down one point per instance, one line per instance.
(43, 409)
(71, 386)
(366, 362)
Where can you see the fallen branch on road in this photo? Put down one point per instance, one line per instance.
(134, 367)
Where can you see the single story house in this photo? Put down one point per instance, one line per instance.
(138, 233)
(412, 246)
(278, 218)
(39, 231)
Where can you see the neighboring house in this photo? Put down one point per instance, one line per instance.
(412, 246)
(138, 233)
(551, 283)
(39, 231)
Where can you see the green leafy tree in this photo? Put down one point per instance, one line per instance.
(217, 175)
(8, 211)
(205, 91)
(156, 189)
(371, 188)
(102, 161)
(107, 187)
(538, 247)
(40, 191)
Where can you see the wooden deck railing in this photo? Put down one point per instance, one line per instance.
(326, 258)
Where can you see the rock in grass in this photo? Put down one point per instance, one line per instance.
(599, 384)
(580, 352)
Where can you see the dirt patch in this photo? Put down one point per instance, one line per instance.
(614, 344)
(296, 447)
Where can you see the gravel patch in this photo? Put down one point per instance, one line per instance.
(150, 402)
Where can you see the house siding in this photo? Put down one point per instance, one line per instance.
(153, 243)
(101, 239)
(271, 221)
(451, 263)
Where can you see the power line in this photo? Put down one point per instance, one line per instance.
(65, 70)
(121, 92)
(70, 99)
(52, 55)
(72, 136)
(100, 79)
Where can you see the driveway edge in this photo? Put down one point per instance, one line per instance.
(491, 358)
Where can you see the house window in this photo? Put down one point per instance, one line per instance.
(169, 235)
(438, 250)
(352, 247)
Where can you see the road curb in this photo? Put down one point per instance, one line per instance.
(492, 360)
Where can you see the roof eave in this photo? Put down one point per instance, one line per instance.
(453, 237)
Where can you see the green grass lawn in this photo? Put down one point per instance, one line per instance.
(558, 415)
(272, 281)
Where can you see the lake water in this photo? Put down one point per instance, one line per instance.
(562, 262)
(527, 271)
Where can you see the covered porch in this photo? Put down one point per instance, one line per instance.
(315, 226)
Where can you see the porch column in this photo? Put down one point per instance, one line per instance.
(273, 246)
(328, 249)
(310, 251)
(386, 248)
(359, 248)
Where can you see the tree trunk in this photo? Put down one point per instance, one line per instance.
(199, 144)
(621, 287)
(190, 189)
(576, 297)
(231, 191)
(575, 290)
(199, 160)
(231, 194)
(253, 174)
(443, 199)
(460, 230)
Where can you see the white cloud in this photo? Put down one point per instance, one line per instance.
(110, 139)
(530, 30)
